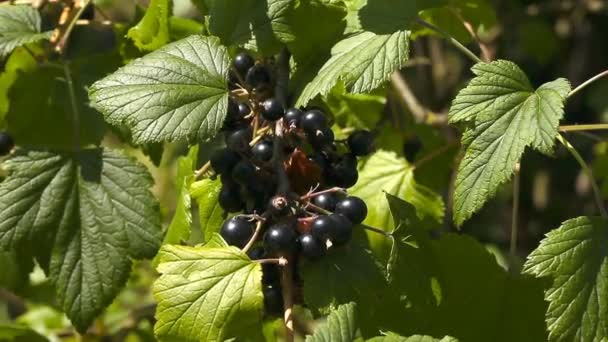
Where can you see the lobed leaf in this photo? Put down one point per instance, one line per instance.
(341, 326)
(19, 25)
(85, 215)
(575, 257)
(504, 115)
(179, 91)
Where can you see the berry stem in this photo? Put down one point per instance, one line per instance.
(318, 209)
(254, 237)
(587, 170)
(574, 128)
(287, 291)
(377, 231)
(326, 191)
(588, 82)
(202, 170)
(279, 261)
(514, 215)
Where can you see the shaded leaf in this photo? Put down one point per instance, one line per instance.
(341, 326)
(152, 31)
(211, 215)
(19, 25)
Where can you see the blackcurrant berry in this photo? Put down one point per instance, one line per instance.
(341, 231)
(411, 147)
(243, 172)
(361, 143)
(273, 300)
(230, 199)
(262, 151)
(233, 80)
(237, 231)
(238, 140)
(321, 161)
(233, 109)
(244, 110)
(258, 77)
(6, 143)
(222, 161)
(292, 117)
(273, 110)
(321, 227)
(326, 201)
(280, 238)
(313, 120)
(270, 272)
(322, 138)
(353, 208)
(344, 173)
(243, 62)
(311, 248)
(256, 253)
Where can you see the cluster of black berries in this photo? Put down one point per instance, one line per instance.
(6, 143)
(267, 146)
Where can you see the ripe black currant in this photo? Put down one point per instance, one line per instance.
(262, 151)
(88, 13)
(322, 138)
(342, 229)
(243, 62)
(273, 110)
(233, 109)
(321, 227)
(230, 199)
(244, 110)
(292, 117)
(259, 77)
(411, 147)
(344, 172)
(237, 231)
(273, 300)
(6, 143)
(311, 248)
(256, 253)
(321, 161)
(222, 161)
(238, 140)
(313, 120)
(326, 201)
(353, 208)
(280, 238)
(243, 172)
(361, 143)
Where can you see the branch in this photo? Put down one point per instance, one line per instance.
(418, 110)
(514, 216)
(485, 51)
(588, 82)
(450, 39)
(573, 128)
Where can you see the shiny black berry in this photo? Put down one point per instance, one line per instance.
(321, 227)
(326, 201)
(361, 143)
(237, 231)
(238, 140)
(6, 143)
(230, 198)
(243, 62)
(342, 229)
(243, 172)
(321, 161)
(258, 77)
(273, 110)
(222, 161)
(292, 117)
(344, 172)
(353, 208)
(244, 110)
(311, 247)
(313, 120)
(262, 151)
(321, 138)
(280, 238)
(88, 13)
(273, 300)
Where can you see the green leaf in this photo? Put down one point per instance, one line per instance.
(16, 267)
(152, 31)
(341, 326)
(211, 215)
(382, 173)
(19, 25)
(504, 115)
(575, 257)
(180, 28)
(382, 16)
(206, 294)
(178, 91)
(19, 333)
(355, 110)
(391, 337)
(264, 23)
(442, 278)
(85, 215)
(363, 62)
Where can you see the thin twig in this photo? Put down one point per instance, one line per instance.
(588, 82)
(326, 191)
(377, 230)
(434, 154)
(318, 209)
(279, 261)
(485, 51)
(514, 216)
(451, 39)
(202, 170)
(400, 84)
(587, 170)
(594, 127)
